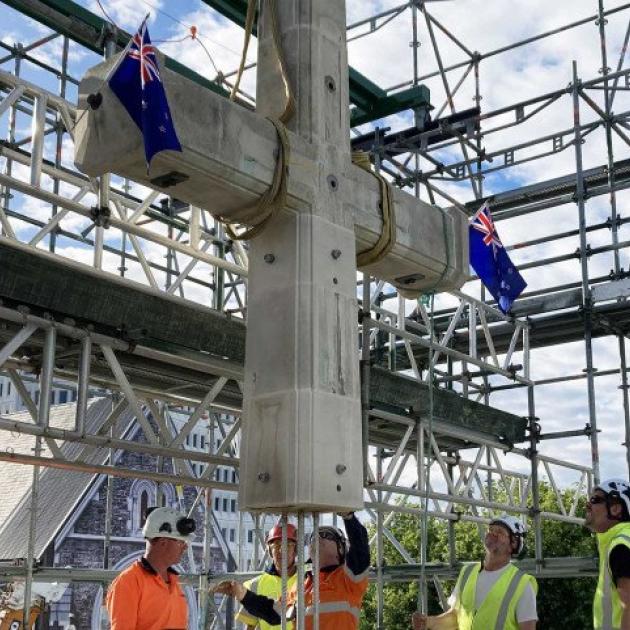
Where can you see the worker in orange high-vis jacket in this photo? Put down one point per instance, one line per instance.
(147, 595)
(343, 580)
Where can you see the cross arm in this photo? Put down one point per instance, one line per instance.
(228, 161)
(431, 250)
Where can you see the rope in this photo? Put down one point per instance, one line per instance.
(424, 519)
(289, 98)
(387, 239)
(249, 26)
(258, 214)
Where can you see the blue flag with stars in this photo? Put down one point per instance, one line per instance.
(491, 262)
(137, 84)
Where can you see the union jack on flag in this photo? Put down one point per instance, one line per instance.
(143, 50)
(491, 262)
(482, 222)
(137, 83)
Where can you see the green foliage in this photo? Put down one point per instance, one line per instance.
(562, 603)
(565, 603)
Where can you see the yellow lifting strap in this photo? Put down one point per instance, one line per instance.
(386, 241)
(258, 214)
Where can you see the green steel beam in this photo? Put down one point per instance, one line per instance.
(370, 101)
(412, 98)
(233, 10)
(86, 28)
(187, 335)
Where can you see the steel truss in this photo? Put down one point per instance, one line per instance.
(466, 344)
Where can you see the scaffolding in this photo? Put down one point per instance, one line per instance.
(146, 246)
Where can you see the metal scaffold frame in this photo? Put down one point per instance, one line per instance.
(413, 463)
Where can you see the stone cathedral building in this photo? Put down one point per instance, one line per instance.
(71, 516)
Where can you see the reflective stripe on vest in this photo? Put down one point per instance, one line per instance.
(335, 607)
(513, 588)
(507, 598)
(607, 610)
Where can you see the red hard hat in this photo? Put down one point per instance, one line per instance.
(275, 533)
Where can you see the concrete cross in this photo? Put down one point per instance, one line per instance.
(302, 446)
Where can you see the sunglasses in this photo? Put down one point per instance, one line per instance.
(326, 535)
(277, 544)
(595, 500)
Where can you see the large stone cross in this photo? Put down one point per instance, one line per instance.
(302, 446)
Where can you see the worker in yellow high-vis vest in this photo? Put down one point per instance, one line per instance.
(269, 583)
(608, 516)
(493, 594)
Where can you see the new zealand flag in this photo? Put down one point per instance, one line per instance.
(490, 260)
(136, 82)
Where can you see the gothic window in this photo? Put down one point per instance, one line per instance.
(169, 496)
(142, 495)
(144, 504)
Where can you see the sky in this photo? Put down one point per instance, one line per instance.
(385, 57)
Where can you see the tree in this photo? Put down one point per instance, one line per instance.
(559, 540)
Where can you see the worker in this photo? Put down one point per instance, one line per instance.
(147, 595)
(492, 594)
(269, 583)
(608, 517)
(343, 580)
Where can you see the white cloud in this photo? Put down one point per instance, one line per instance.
(386, 58)
(126, 13)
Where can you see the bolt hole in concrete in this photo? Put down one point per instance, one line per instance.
(335, 281)
(330, 84)
(332, 182)
(338, 488)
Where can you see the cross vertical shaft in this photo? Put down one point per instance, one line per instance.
(302, 437)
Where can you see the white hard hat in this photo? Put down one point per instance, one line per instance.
(516, 527)
(166, 522)
(617, 489)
